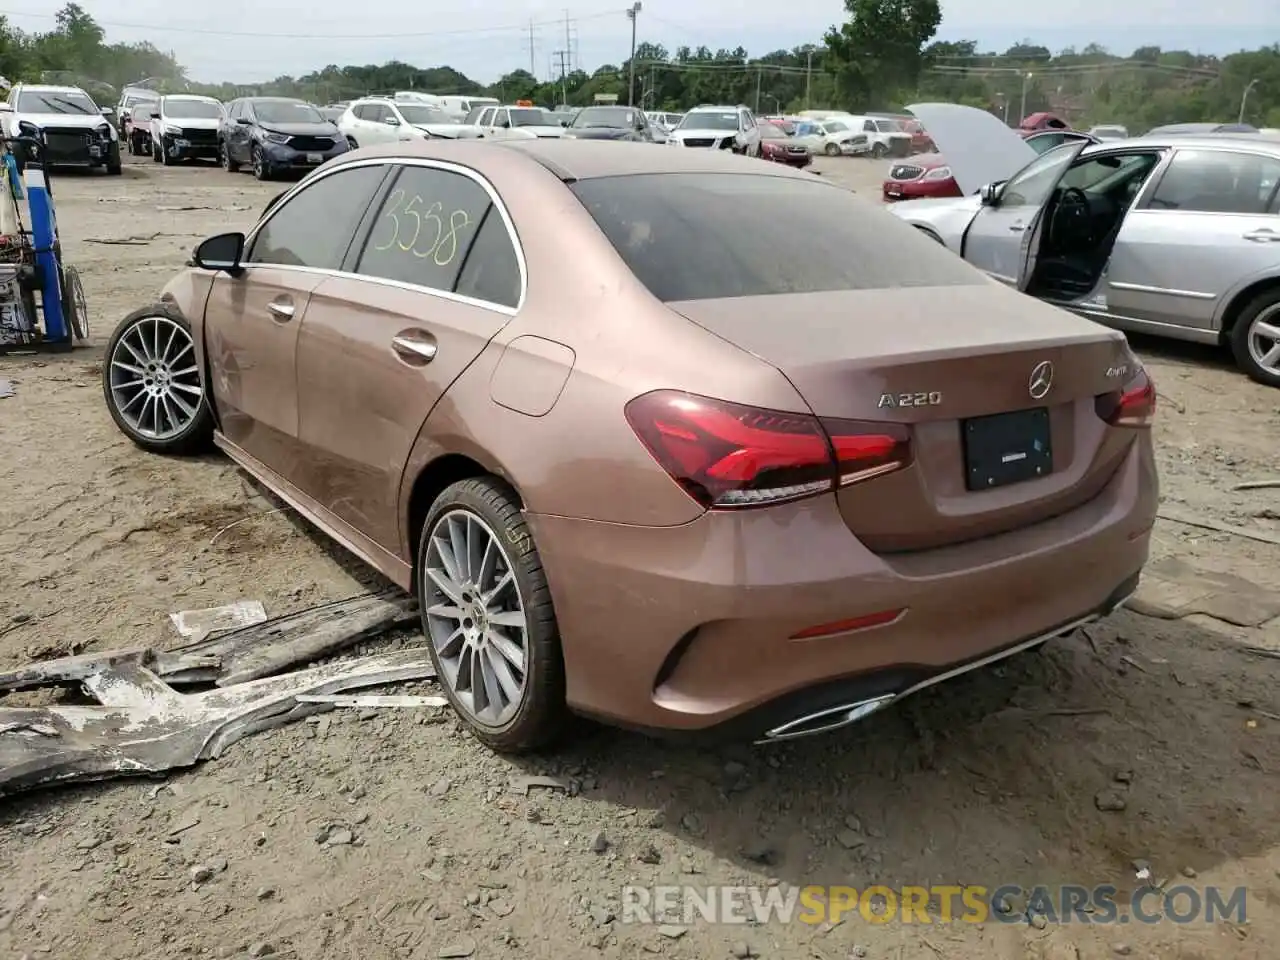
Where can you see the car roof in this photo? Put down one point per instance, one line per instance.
(572, 160)
(1251, 141)
(50, 87)
(274, 99)
(189, 96)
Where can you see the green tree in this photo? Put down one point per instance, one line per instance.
(879, 50)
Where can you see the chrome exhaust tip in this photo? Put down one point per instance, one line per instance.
(824, 721)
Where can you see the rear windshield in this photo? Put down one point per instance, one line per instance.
(702, 236)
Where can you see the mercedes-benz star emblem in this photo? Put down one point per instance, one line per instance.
(1041, 380)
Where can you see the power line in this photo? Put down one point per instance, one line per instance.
(196, 31)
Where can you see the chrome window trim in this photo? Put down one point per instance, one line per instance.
(444, 165)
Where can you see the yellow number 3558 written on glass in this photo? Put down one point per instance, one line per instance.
(418, 228)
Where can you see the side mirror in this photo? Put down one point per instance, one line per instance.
(505, 124)
(106, 111)
(243, 121)
(391, 122)
(564, 123)
(990, 194)
(154, 115)
(221, 252)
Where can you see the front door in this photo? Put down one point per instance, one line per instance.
(436, 279)
(253, 320)
(240, 135)
(1211, 223)
(1000, 236)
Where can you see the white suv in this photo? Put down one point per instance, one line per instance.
(74, 130)
(379, 120)
(718, 128)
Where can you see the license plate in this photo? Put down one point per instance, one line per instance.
(1006, 448)
(182, 144)
(315, 158)
(95, 151)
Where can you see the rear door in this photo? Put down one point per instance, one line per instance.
(252, 321)
(434, 277)
(999, 238)
(1210, 225)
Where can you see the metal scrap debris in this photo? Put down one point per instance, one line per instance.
(141, 724)
(6, 389)
(372, 700)
(198, 624)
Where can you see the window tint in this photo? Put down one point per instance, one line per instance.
(491, 272)
(1210, 181)
(1032, 185)
(315, 226)
(424, 228)
(705, 236)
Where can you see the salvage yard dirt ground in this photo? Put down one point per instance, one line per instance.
(389, 834)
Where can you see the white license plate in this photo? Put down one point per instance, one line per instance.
(182, 144)
(95, 151)
(315, 158)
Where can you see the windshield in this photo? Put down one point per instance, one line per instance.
(1118, 132)
(132, 99)
(192, 109)
(55, 101)
(888, 126)
(286, 111)
(605, 117)
(416, 113)
(697, 236)
(709, 120)
(530, 117)
(769, 132)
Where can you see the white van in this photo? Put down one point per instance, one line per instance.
(459, 106)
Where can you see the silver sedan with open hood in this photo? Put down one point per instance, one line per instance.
(1177, 236)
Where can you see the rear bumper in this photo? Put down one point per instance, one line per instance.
(685, 629)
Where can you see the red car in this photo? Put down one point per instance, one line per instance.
(777, 147)
(929, 176)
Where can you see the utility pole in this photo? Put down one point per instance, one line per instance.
(1023, 115)
(632, 10)
(653, 87)
(758, 73)
(808, 81)
(568, 45)
(533, 72)
(562, 61)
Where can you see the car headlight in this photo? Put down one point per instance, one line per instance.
(940, 173)
(275, 138)
(173, 131)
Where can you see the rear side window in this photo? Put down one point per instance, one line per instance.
(315, 226)
(424, 229)
(1212, 181)
(697, 236)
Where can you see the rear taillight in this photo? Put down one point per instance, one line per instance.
(729, 455)
(1132, 406)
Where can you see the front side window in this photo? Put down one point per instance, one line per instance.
(424, 228)
(1218, 181)
(314, 227)
(1031, 186)
(697, 236)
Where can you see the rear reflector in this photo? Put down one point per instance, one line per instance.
(847, 626)
(1132, 406)
(730, 455)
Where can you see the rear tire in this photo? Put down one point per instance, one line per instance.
(487, 509)
(119, 385)
(1249, 347)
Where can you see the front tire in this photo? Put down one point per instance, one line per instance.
(260, 168)
(155, 152)
(114, 167)
(224, 157)
(152, 384)
(878, 151)
(351, 144)
(1255, 339)
(165, 158)
(832, 149)
(488, 617)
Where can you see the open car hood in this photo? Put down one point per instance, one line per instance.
(979, 148)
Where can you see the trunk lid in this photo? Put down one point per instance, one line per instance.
(931, 359)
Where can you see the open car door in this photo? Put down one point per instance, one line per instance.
(1005, 234)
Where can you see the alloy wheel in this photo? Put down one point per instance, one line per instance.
(154, 380)
(475, 617)
(1264, 339)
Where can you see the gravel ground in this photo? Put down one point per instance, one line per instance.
(393, 835)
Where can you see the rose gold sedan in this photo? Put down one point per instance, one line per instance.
(667, 437)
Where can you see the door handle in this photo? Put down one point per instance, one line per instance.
(280, 310)
(1263, 235)
(422, 351)
(1017, 227)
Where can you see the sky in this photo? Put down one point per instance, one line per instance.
(248, 41)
